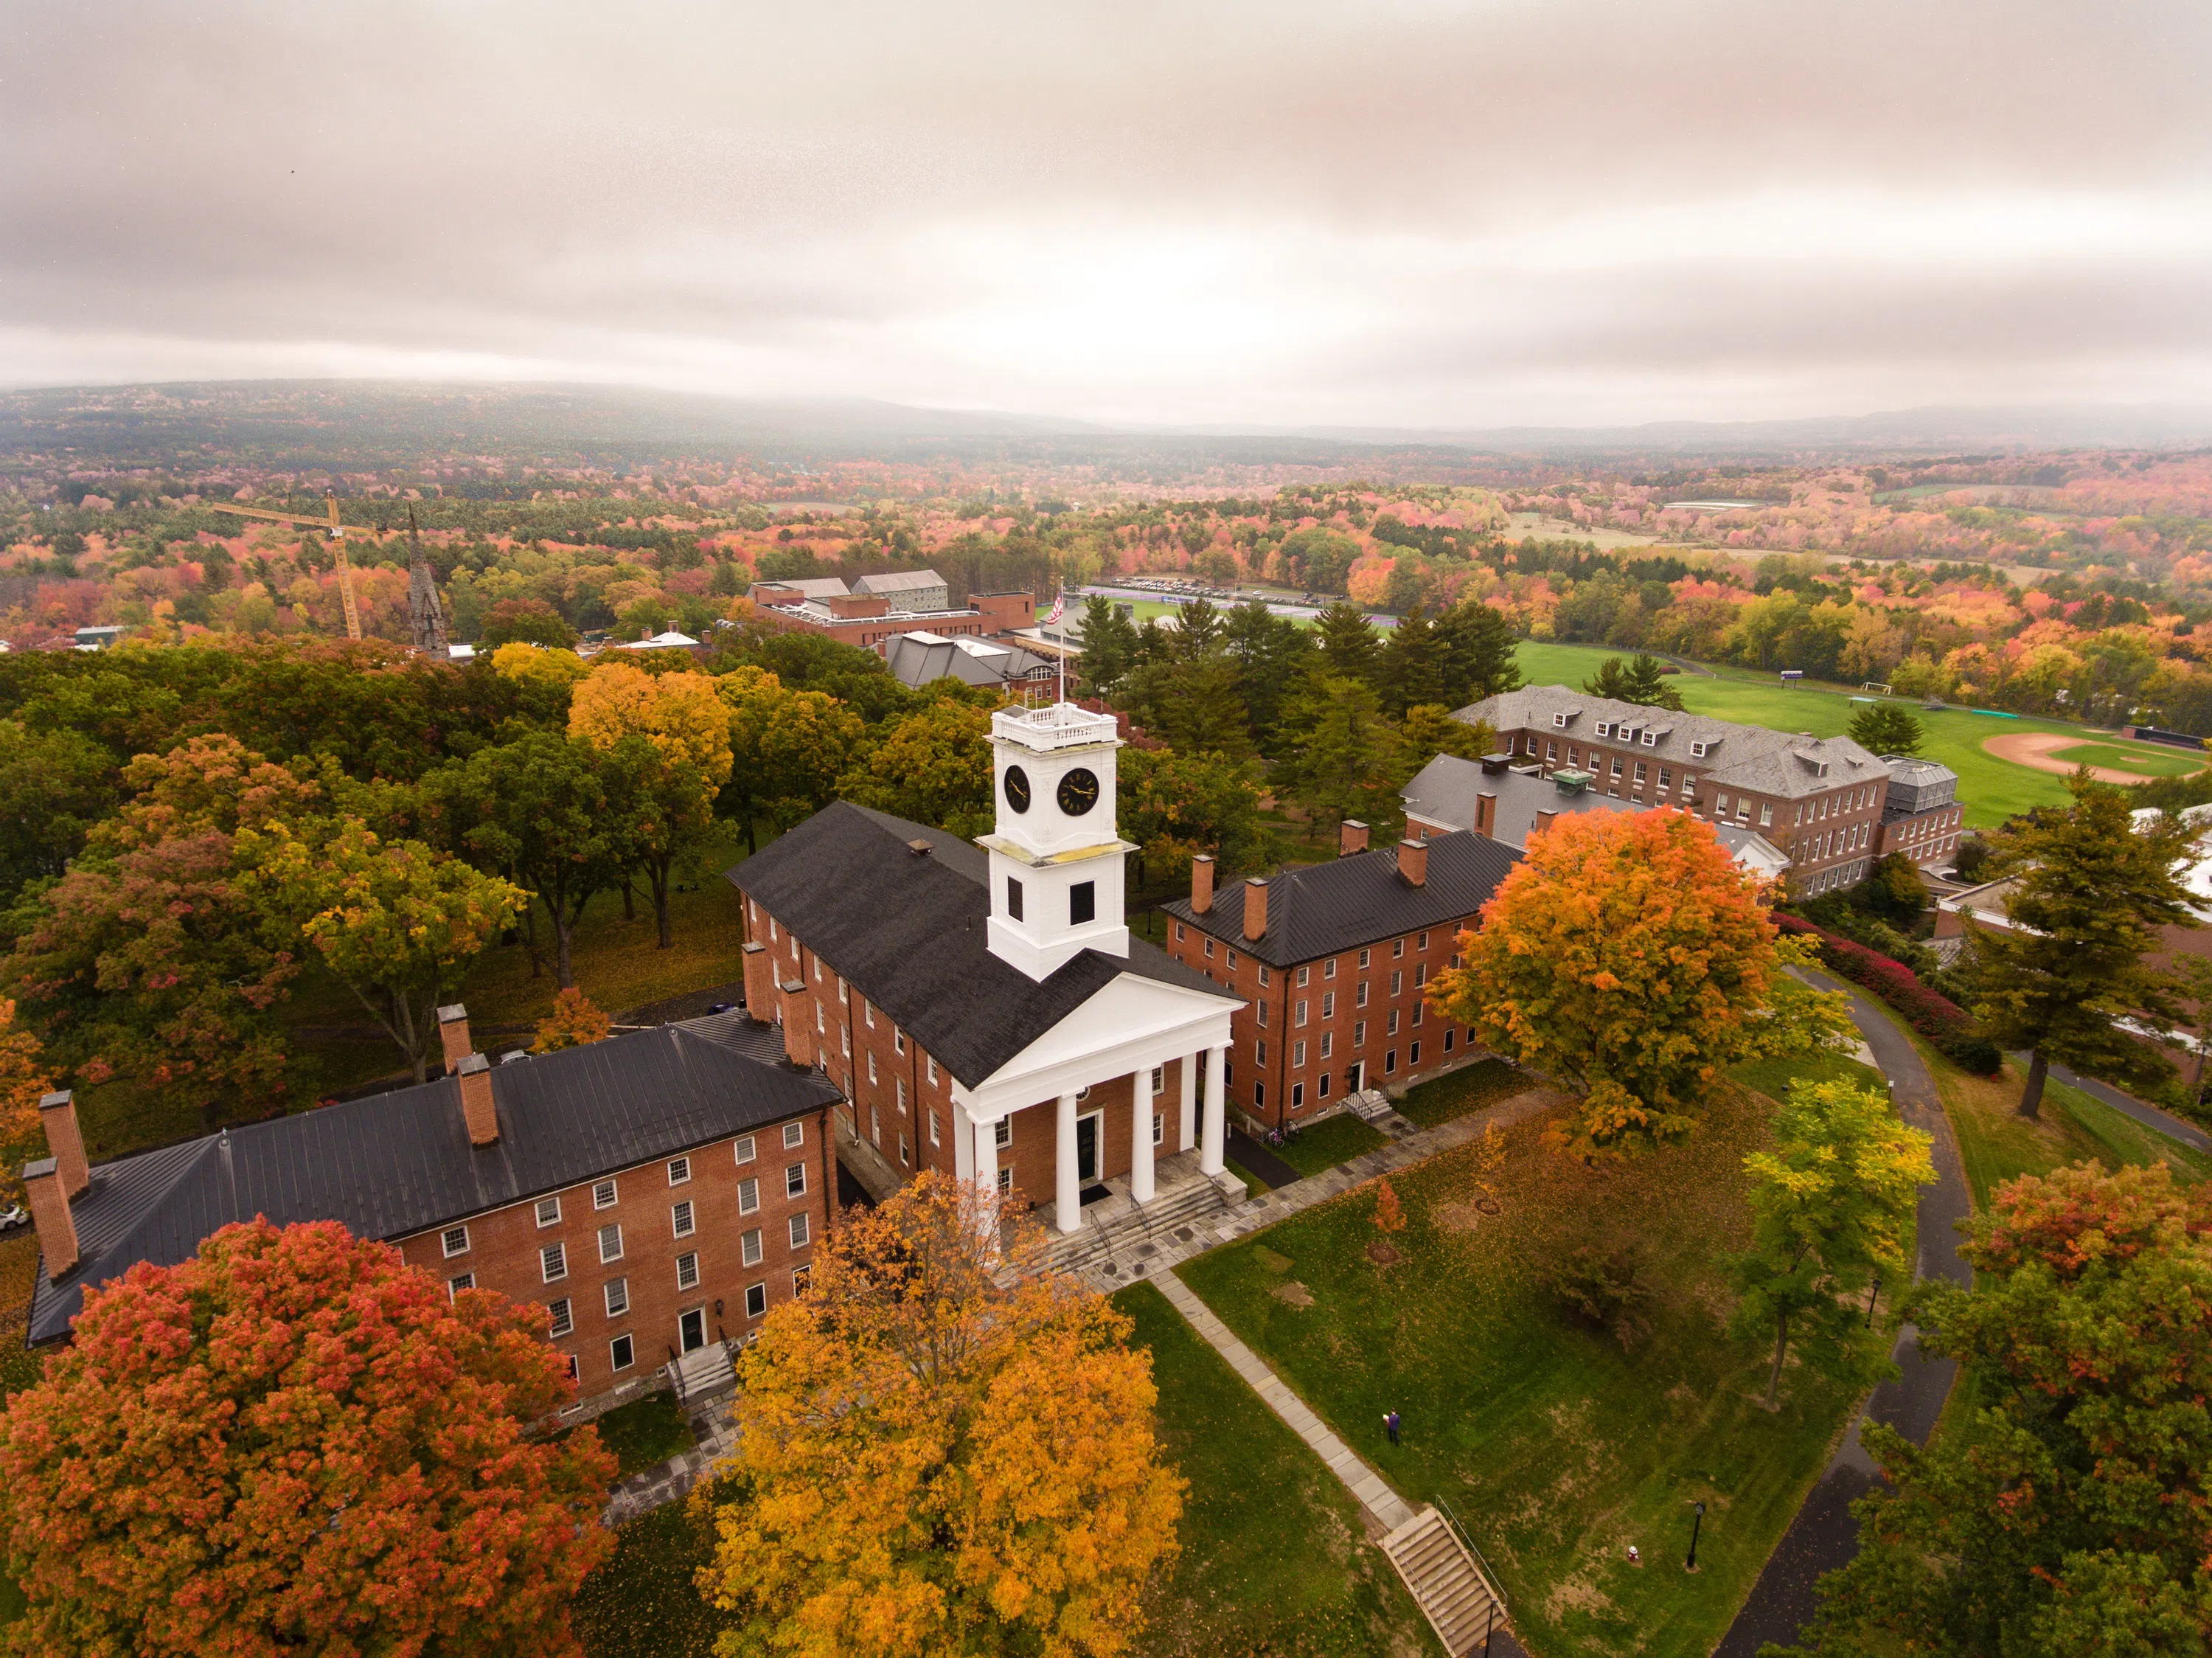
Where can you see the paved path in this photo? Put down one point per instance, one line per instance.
(2164, 1122)
(1824, 1536)
(1246, 1152)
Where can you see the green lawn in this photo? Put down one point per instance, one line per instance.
(642, 1603)
(1559, 1444)
(2172, 763)
(1273, 1558)
(1473, 1089)
(1773, 1077)
(645, 1433)
(1326, 1144)
(1991, 789)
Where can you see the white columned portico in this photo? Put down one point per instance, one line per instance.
(1067, 1204)
(1187, 1129)
(987, 1163)
(1210, 1158)
(1140, 1140)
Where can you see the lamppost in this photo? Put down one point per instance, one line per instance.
(1873, 1289)
(1691, 1564)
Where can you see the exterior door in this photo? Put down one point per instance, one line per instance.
(1356, 1078)
(693, 1328)
(1090, 1130)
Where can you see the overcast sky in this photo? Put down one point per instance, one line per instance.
(1375, 213)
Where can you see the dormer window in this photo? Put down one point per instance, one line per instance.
(1604, 728)
(1559, 721)
(1697, 750)
(1651, 739)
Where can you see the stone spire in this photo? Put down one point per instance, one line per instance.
(423, 614)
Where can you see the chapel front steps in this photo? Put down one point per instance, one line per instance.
(1126, 1234)
(1459, 1600)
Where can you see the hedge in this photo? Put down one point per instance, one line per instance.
(1935, 1016)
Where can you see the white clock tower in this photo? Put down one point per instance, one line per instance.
(1056, 855)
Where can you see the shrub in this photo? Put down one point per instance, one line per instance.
(1939, 1019)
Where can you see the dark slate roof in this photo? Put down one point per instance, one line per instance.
(1327, 907)
(907, 931)
(398, 1163)
(1444, 791)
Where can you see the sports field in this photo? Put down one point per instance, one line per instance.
(1992, 790)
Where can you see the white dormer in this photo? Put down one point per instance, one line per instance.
(1056, 855)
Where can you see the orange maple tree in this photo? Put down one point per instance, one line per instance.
(1389, 1213)
(943, 1451)
(573, 1023)
(1628, 958)
(296, 1443)
(23, 1082)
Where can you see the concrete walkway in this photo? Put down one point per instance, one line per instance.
(1384, 1506)
(2163, 1122)
(1824, 1536)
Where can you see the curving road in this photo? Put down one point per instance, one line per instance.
(1824, 1536)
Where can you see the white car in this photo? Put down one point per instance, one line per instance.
(13, 1216)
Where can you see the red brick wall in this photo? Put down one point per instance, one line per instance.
(504, 1246)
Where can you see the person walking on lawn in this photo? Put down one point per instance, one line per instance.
(1390, 1424)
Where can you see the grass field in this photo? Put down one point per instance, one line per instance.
(2131, 757)
(1991, 789)
(642, 1603)
(1337, 1140)
(1559, 1444)
(1484, 1083)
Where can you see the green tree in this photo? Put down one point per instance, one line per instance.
(1318, 560)
(1406, 669)
(1832, 1208)
(1200, 629)
(1271, 653)
(1191, 705)
(1610, 681)
(1347, 644)
(789, 748)
(1428, 731)
(2093, 894)
(1110, 645)
(1475, 654)
(1171, 804)
(54, 786)
(1339, 755)
(934, 767)
(530, 621)
(395, 923)
(2061, 1507)
(1647, 683)
(1885, 728)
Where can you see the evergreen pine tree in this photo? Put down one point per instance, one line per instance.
(1349, 649)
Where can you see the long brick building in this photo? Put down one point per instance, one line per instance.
(656, 1193)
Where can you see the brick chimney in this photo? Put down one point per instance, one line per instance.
(795, 1032)
(1544, 820)
(1256, 907)
(49, 1214)
(760, 985)
(1485, 814)
(1351, 836)
(477, 1108)
(453, 1035)
(57, 1116)
(1413, 860)
(1201, 883)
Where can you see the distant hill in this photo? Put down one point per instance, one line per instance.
(368, 423)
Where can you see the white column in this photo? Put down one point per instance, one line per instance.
(1186, 1131)
(987, 1164)
(1140, 1136)
(1209, 1157)
(1067, 1202)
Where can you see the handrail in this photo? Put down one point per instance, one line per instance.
(1482, 1566)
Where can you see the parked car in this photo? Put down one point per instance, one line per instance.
(13, 1216)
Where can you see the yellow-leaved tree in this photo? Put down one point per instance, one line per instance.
(1629, 959)
(942, 1451)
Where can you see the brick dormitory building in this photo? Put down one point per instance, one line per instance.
(656, 1192)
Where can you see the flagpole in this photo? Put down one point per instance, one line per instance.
(1059, 607)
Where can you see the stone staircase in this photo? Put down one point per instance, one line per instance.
(1449, 1587)
(703, 1370)
(1118, 1240)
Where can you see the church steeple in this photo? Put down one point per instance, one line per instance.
(1056, 855)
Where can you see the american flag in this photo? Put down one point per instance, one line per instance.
(1058, 606)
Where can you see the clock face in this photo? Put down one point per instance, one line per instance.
(1079, 792)
(1018, 789)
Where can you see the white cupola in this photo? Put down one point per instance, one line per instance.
(1056, 855)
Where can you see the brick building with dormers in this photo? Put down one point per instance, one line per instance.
(1819, 801)
(656, 1192)
(1331, 962)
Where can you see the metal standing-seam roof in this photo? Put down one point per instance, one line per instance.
(399, 1163)
(907, 931)
(1361, 899)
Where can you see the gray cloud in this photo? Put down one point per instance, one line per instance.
(1407, 213)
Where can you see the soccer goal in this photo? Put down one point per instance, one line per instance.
(1879, 689)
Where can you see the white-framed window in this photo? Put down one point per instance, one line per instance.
(1560, 722)
(1002, 1133)
(1698, 751)
(1327, 1047)
(622, 1352)
(1305, 976)
(1159, 1129)
(1159, 1079)
(748, 1195)
(1209, 949)
(680, 1216)
(744, 1148)
(1419, 1007)
(1424, 942)
(801, 1231)
(794, 1180)
(821, 1023)
(687, 1270)
(603, 1195)
(553, 1263)
(680, 1170)
(1359, 996)
(795, 1135)
(1360, 1034)
(1297, 1056)
(1259, 1052)
(904, 1161)
(1298, 1015)
(845, 1039)
(1179, 932)
(868, 1012)
(756, 1300)
(1297, 1095)
(749, 1247)
(1398, 981)
(549, 1212)
(454, 1240)
(1005, 1180)
(1261, 1009)
(872, 1067)
(1329, 1004)
(932, 1126)
(1393, 1031)
(611, 1244)
(1420, 974)
(898, 1040)
(898, 1089)
(564, 1319)
(1365, 957)
(929, 1069)
(1328, 968)
(459, 1282)
(1603, 727)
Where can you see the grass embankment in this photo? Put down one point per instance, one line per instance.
(1558, 1443)
(1473, 1089)
(1991, 789)
(1335, 1140)
(1272, 1558)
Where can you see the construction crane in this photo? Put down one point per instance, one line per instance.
(337, 535)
